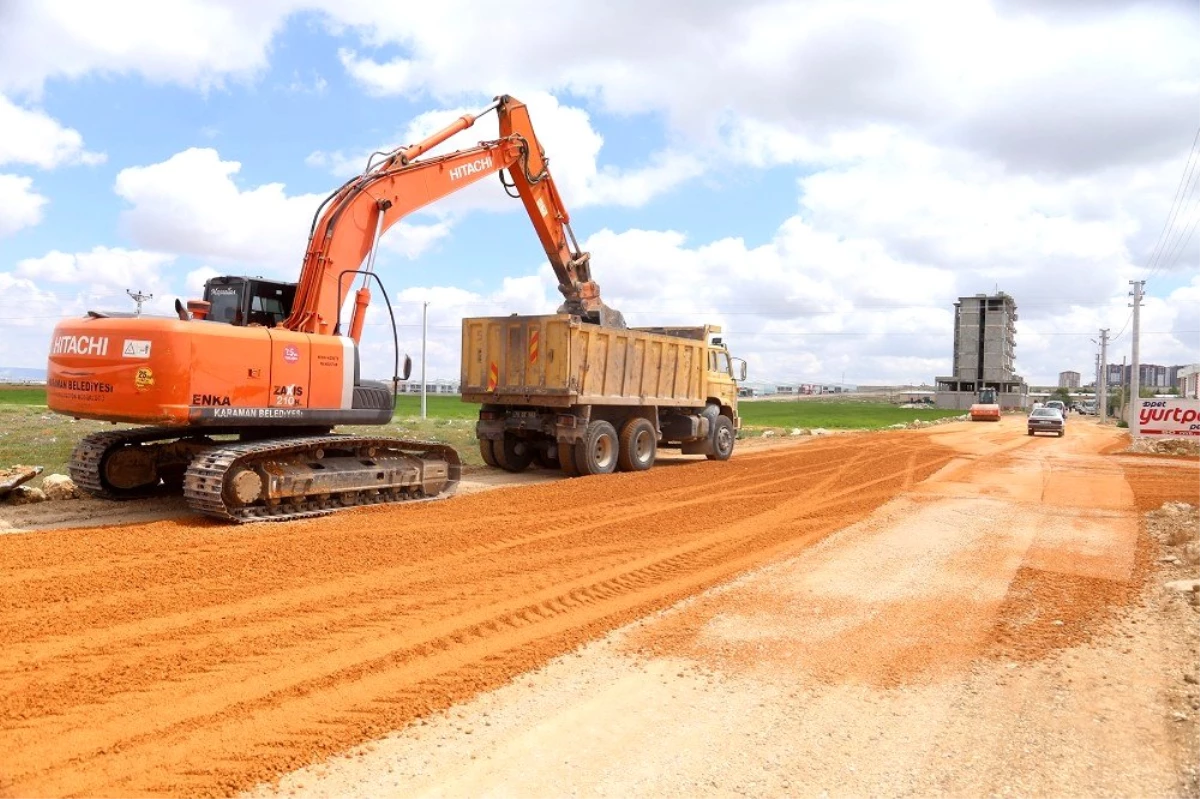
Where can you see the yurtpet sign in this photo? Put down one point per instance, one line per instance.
(1169, 417)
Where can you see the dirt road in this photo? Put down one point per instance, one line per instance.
(905, 576)
(191, 658)
(999, 629)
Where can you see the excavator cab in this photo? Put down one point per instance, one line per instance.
(245, 301)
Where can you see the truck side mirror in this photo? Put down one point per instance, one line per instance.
(407, 368)
(741, 365)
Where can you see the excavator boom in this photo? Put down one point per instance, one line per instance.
(349, 223)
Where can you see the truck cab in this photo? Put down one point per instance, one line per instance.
(724, 373)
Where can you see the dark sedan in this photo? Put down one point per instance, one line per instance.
(1047, 420)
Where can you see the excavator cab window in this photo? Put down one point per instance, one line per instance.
(248, 301)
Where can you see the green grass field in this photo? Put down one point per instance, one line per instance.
(833, 413)
(30, 434)
(20, 395)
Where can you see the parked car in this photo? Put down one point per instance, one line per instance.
(1062, 408)
(1047, 420)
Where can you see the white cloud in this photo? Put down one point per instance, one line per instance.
(380, 79)
(20, 205)
(101, 268)
(1033, 90)
(190, 204)
(32, 137)
(24, 304)
(194, 281)
(298, 85)
(411, 241)
(195, 43)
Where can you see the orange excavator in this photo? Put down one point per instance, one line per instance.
(241, 390)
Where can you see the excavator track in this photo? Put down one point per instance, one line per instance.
(397, 471)
(293, 478)
(87, 460)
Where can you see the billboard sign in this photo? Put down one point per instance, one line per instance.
(1168, 417)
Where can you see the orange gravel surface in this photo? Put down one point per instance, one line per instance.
(1020, 548)
(184, 657)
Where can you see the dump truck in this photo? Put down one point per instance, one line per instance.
(592, 399)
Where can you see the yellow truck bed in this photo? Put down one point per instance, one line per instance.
(557, 361)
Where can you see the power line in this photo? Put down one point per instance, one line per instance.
(1186, 177)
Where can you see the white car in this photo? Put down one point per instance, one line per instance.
(1047, 420)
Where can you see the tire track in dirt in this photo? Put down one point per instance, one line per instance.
(121, 602)
(225, 655)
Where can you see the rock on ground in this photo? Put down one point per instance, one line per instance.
(26, 495)
(59, 486)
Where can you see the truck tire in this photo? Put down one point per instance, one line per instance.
(638, 445)
(596, 452)
(566, 460)
(723, 437)
(546, 457)
(487, 453)
(513, 454)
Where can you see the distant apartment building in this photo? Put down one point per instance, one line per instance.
(1115, 375)
(1150, 375)
(1068, 379)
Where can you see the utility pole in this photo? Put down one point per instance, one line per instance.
(1103, 387)
(424, 335)
(1123, 392)
(1135, 378)
(139, 298)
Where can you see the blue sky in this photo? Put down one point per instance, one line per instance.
(823, 179)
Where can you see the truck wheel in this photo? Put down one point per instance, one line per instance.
(596, 452)
(638, 445)
(513, 454)
(722, 439)
(566, 459)
(487, 453)
(546, 457)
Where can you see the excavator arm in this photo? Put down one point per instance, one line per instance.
(347, 227)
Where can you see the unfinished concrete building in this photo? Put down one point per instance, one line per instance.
(984, 353)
